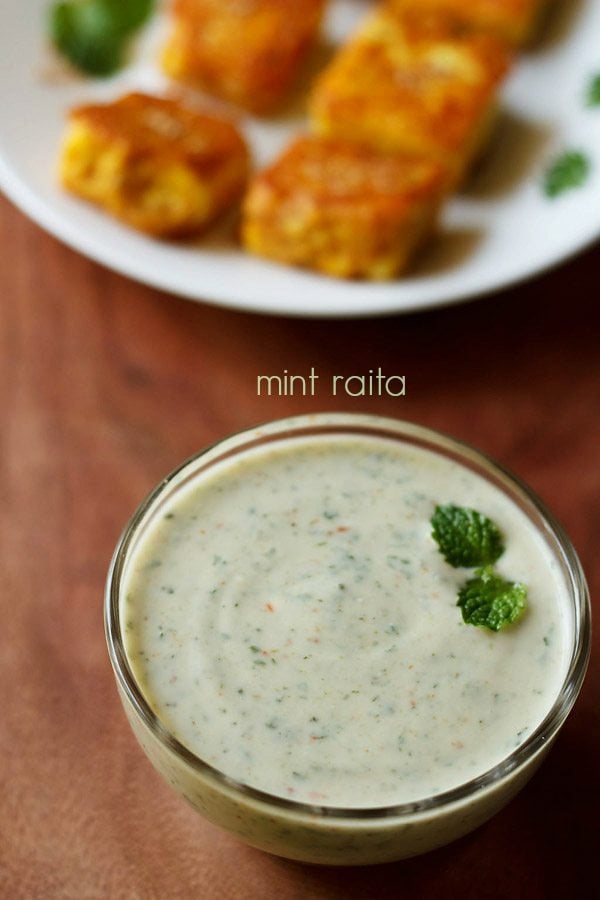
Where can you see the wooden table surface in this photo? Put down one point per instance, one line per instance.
(105, 386)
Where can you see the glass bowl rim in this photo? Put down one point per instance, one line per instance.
(400, 430)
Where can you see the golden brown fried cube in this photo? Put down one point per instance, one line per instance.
(409, 82)
(158, 166)
(341, 208)
(515, 20)
(246, 51)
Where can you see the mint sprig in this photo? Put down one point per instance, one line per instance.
(465, 537)
(129, 15)
(593, 91)
(568, 171)
(93, 34)
(489, 601)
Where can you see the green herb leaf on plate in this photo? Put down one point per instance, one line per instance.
(93, 34)
(465, 537)
(593, 91)
(129, 15)
(489, 601)
(569, 171)
(82, 32)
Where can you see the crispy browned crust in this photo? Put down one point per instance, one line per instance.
(249, 52)
(515, 20)
(342, 208)
(163, 128)
(154, 163)
(405, 81)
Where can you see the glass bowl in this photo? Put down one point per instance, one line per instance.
(331, 835)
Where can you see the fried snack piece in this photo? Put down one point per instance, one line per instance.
(514, 20)
(424, 84)
(245, 51)
(342, 208)
(158, 166)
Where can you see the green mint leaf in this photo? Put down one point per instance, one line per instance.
(489, 601)
(593, 91)
(569, 171)
(93, 34)
(83, 32)
(465, 537)
(128, 15)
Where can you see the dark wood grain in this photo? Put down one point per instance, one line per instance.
(105, 386)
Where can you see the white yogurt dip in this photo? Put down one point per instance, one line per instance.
(289, 620)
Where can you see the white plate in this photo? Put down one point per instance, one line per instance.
(502, 230)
